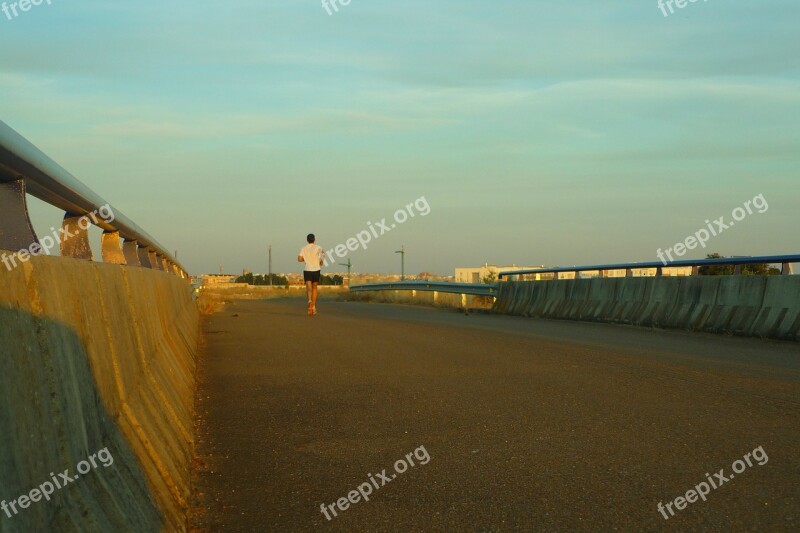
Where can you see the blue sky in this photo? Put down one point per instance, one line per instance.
(553, 133)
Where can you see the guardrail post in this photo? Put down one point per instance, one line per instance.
(628, 272)
(659, 272)
(111, 248)
(695, 270)
(16, 231)
(555, 276)
(787, 269)
(603, 273)
(144, 257)
(152, 258)
(75, 241)
(737, 270)
(130, 251)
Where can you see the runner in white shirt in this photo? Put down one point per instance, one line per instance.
(313, 256)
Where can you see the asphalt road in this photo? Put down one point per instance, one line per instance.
(527, 425)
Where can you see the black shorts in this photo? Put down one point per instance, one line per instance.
(312, 275)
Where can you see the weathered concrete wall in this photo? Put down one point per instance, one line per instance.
(96, 356)
(762, 306)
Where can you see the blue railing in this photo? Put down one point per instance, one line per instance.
(473, 289)
(737, 262)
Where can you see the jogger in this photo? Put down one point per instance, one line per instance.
(313, 256)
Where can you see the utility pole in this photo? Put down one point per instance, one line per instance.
(349, 265)
(402, 252)
(270, 265)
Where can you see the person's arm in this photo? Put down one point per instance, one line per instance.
(299, 258)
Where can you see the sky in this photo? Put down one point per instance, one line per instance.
(555, 133)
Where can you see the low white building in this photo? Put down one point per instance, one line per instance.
(646, 272)
(487, 271)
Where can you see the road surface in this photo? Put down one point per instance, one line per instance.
(522, 424)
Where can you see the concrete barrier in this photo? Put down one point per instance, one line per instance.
(760, 306)
(96, 356)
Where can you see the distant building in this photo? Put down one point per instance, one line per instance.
(646, 272)
(216, 279)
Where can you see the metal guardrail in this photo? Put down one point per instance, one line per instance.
(24, 169)
(737, 262)
(473, 289)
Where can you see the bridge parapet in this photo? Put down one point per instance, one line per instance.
(95, 357)
(758, 306)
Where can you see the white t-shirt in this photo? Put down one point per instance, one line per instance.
(312, 255)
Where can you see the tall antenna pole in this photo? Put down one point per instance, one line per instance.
(402, 252)
(349, 265)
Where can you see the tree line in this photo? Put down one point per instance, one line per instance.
(264, 279)
(753, 269)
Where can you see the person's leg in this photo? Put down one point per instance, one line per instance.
(309, 291)
(314, 295)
